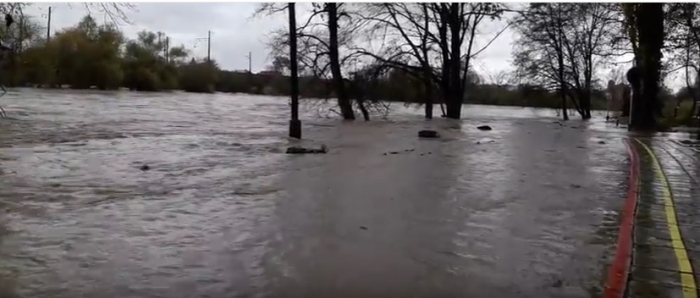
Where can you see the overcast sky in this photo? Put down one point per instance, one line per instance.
(235, 33)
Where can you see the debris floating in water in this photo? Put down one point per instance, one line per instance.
(397, 152)
(485, 141)
(483, 127)
(431, 134)
(302, 150)
(145, 168)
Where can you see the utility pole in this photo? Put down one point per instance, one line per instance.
(209, 47)
(48, 27)
(160, 44)
(250, 63)
(21, 33)
(167, 50)
(250, 69)
(294, 123)
(208, 38)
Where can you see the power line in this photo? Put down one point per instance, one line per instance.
(208, 38)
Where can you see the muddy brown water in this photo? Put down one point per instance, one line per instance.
(525, 210)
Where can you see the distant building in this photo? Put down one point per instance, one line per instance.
(506, 86)
(271, 73)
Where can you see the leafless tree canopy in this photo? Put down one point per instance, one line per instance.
(683, 46)
(115, 13)
(434, 42)
(561, 47)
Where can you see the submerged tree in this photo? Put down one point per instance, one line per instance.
(415, 34)
(340, 92)
(560, 45)
(321, 38)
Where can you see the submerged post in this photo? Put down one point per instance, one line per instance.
(294, 123)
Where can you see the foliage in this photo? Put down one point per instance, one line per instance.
(199, 76)
(89, 55)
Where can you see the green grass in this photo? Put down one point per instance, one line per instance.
(682, 118)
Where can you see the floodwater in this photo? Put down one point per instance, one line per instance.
(526, 210)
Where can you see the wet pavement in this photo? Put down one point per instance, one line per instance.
(529, 209)
(667, 231)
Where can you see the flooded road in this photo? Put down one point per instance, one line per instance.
(526, 210)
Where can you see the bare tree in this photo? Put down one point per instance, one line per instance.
(560, 46)
(501, 78)
(410, 50)
(113, 12)
(683, 41)
(414, 36)
(539, 53)
(323, 40)
(343, 100)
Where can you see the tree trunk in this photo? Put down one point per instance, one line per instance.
(363, 109)
(634, 78)
(650, 25)
(428, 96)
(586, 96)
(445, 73)
(454, 109)
(343, 100)
(560, 65)
(564, 110)
(356, 91)
(586, 104)
(562, 85)
(427, 71)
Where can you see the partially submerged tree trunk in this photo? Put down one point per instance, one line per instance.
(444, 47)
(363, 110)
(343, 101)
(355, 89)
(427, 71)
(560, 61)
(428, 98)
(585, 100)
(454, 109)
